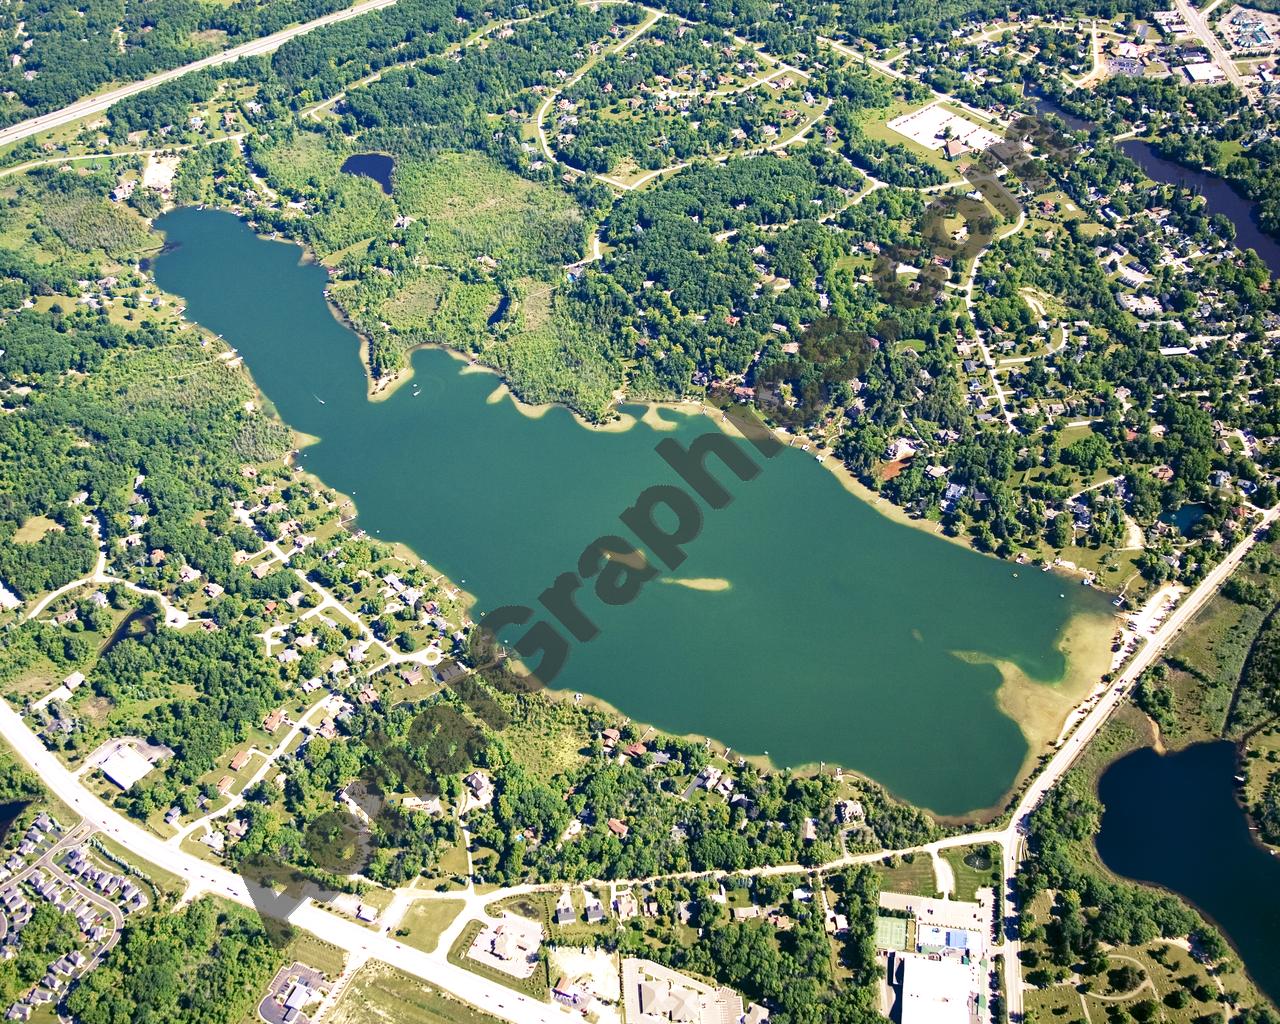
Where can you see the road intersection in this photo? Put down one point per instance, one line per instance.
(1199, 26)
(363, 943)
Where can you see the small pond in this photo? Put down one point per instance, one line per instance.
(1185, 517)
(377, 166)
(8, 815)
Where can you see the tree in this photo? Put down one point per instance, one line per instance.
(1059, 533)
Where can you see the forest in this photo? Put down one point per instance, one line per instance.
(208, 963)
(1099, 910)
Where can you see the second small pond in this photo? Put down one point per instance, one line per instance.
(377, 166)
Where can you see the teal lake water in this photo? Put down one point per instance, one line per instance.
(837, 639)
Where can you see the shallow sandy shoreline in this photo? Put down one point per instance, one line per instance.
(710, 584)
(1039, 709)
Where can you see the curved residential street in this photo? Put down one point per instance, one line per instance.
(202, 877)
(363, 943)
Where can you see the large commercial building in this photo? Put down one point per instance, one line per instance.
(936, 991)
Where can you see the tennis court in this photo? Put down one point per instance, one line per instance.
(891, 933)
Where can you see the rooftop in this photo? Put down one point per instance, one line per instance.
(935, 991)
(125, 766)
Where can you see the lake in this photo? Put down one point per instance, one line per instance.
(1219, 197)
(377, 166)
(1174, 821)
(1218, 194)
(838, 635)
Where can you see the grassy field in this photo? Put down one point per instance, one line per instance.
(477, 209)
(975, 867)
(440, 303)
(382, 995)
(545, 740)
(1262, 762)
(165, 881)
(293, 163)
(315, 952)
(33, 529)
(454, 860)
(1115, 570)
(1204, 664)
(875, 124)
(425, 920)
(914, 877)
(86, 223)
(1177, 987)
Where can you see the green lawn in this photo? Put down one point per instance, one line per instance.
(33, 529)
(315, 952)
(1168, 971)
(876, 126)
(975, 867)
(454, 860)
(425, 920)
(915, 878)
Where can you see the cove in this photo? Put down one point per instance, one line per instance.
(1174, 821)
(837, 636)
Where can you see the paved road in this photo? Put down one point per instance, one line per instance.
(1199, 27)
(208, 878)
(46, 863)
(329, 704)
(97, 104)
(363, 943)
(984, 118)
(1012, 840)
(987, 361)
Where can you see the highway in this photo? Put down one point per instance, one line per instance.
(1199, 27)
(202, 877)
(97, 104)
(1012, 840)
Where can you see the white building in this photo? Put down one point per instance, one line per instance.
(935, 991)
(1204, 73)
(125, 766)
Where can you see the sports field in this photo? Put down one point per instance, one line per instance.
(891, 933)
